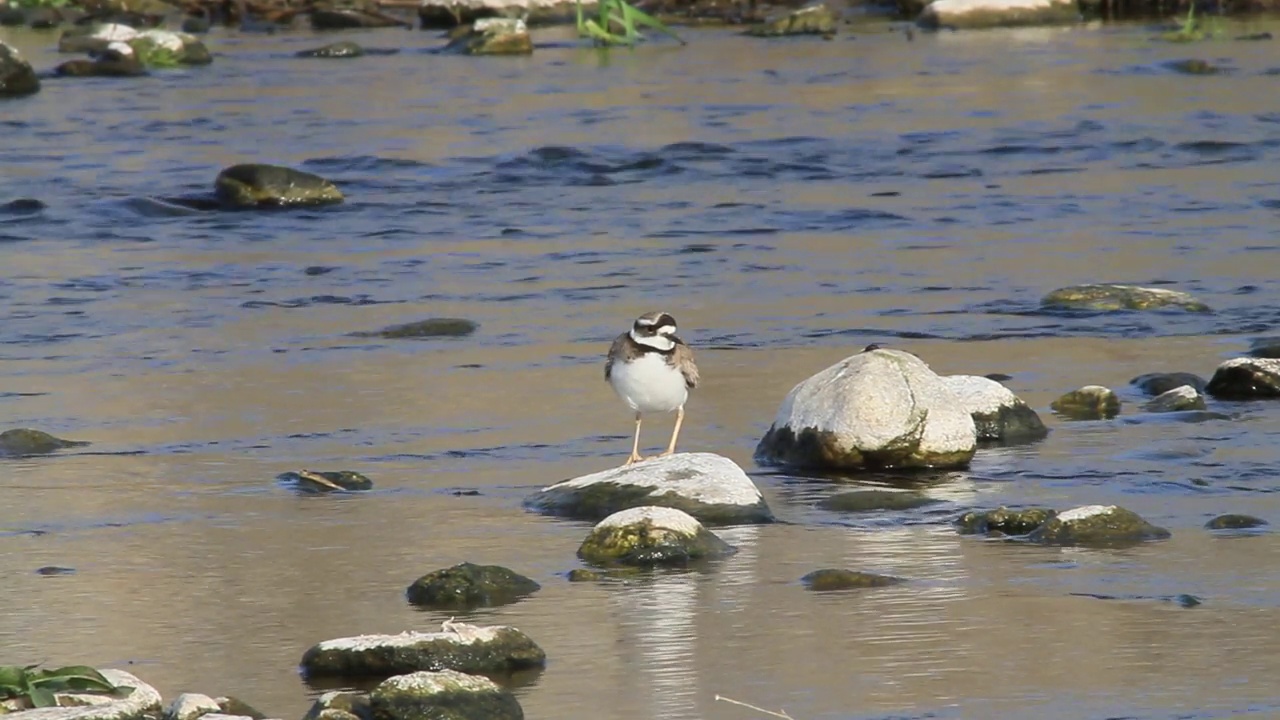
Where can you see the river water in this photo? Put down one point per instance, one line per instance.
(789, 203)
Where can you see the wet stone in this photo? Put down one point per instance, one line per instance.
(651, 536)
(310, 481)
(1246, 379)
(1266, 347)
(24, 441)
(831, 579)
(1194, 66)
(444, 695)
(1003, 521)
(1121, 297)
(1179, 399)
(230, 705)
(17, 78)
(55, 570)
(340, 705)
(429, 328)
(585, 575)
(344, 49)
(816, 18)
(272, 186)
(190, 706)
(1160, 383)
(493, 36)
(998, 415)
(1235, 522)
(875, 500)
(1097, 526)
(465, 648)
(1091, 402)
(467, 586)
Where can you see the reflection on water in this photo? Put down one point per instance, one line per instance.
(790, 202)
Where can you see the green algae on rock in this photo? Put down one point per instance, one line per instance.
(429, 328)
(1246, 378)
(709, 487)
(649, 536)
(1097, 526)
(1003, 521)
(874, 500)
(1121, 297)
(1091, 402)
(816, 18)
(493, 36)
(458, 646)
(467, 586)
(310, 481)
(830, 579)
(443, 695)
(1235, 522)
(25, 441)
(585, 575)
(254, 185)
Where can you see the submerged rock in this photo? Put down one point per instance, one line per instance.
(340, 705)
(1246, 379)
(1179, 399)
(709, 487)
(1121, 297)
(466, 587)
(1091, 402)
(873, 500)
(877, 409)
(1235, 522)
(24, 441)
(1097, 526)
(649, 536)
(344, 49)
(458, 646)
(585, 575)
(191, 706)
(429, 328)
(1266, 347)
(17, 78)
(493, 36)
(1003, 521)
(326, 481)
(271, 186)
(997, 413)
(444, 695)
(829, 579)
(1161, 383)
(815, 18)
(1194, 66)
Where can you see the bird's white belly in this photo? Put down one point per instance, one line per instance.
(649, 384)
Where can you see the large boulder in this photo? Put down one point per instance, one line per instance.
(444, 695)
(17, 78)
(467, 586)
(493, 36)
(877, 409)
(650, 536)
(142, 702)
(709, 487)
(816, 18)
(272, 186)
(1246, 378)
(454, 13)
(998, 415)
(465, 648)
(1110, 297)
(1097, 526)
(25, 441)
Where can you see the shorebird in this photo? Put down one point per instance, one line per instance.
(653, 371)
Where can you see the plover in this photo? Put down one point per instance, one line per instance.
(653, 371)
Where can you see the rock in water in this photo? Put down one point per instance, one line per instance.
(24, 441)
(998, 415)
(1246, 378)
(465, 648)
(1003, 521)
(17, 78)
(1179, 399)
(466, 587)
(876, 500)
(1091, 402)
(340, 705)
(877, 409)
(310, 481)
(346, 15)
(1235, 522)
(969, 14)
(344, 49)
(493, 36)
(709, 487)
(816, 18)
(830, 579)
(1120, 297)
(266, 186)
(429, 328)
(1160, 383)
(1097, 526)
(444, 695)
(648, 536)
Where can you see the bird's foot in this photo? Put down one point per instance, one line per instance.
(635, 458)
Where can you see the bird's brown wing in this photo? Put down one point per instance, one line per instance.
(683, 359)
(615, 353)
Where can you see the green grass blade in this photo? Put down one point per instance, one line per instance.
(636, 15)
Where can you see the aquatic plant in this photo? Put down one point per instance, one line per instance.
(1192, 29)
(617, 23)
(37, 687)
(153, 54)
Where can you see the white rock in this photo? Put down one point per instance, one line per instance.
(980, 394)
(998, 13)
(123, 48)
(166, 39)
(1085, 511)
(410, 638)
(143, 699)
(189, 706)
(665, 518)
(114, 32)
(426, 682)
(505, 26)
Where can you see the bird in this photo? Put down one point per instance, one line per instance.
(652, 370)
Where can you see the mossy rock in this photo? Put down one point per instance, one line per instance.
(495, 649)
(1097, 526)
(25, 441)
(467, 586)
(812, 19)
(585, 575)
(1235, 522)
(831, 579)
(1121, 297)
(1091, 402)
(445, 695)
(429, 328)
(875, 500)
(651, 536)
(256, 185)
(327, 481)
(1004, 521)
(493, 36)
(1246, 378)
(17, 77)
(340, 705)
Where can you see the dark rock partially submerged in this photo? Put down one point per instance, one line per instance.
(1246, 378)
(816, 18)
(25, 441)
(1160, 383)
(340, 705)
(831, 579)
(651, 536)
(1121, 297)
(1179, 399)
(429, 328)
(344, 49)
(1091, 402)
(444, 695)
(874, 500)
(1003, 521)
(255, 185)
(466, 586)
(466, 648)
(1097, 526)
(326, 481)
(108, 64)
(998, 415)
(493, 36)
(17, 78)
(1235, 522)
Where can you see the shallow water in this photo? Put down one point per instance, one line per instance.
(789, 202)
